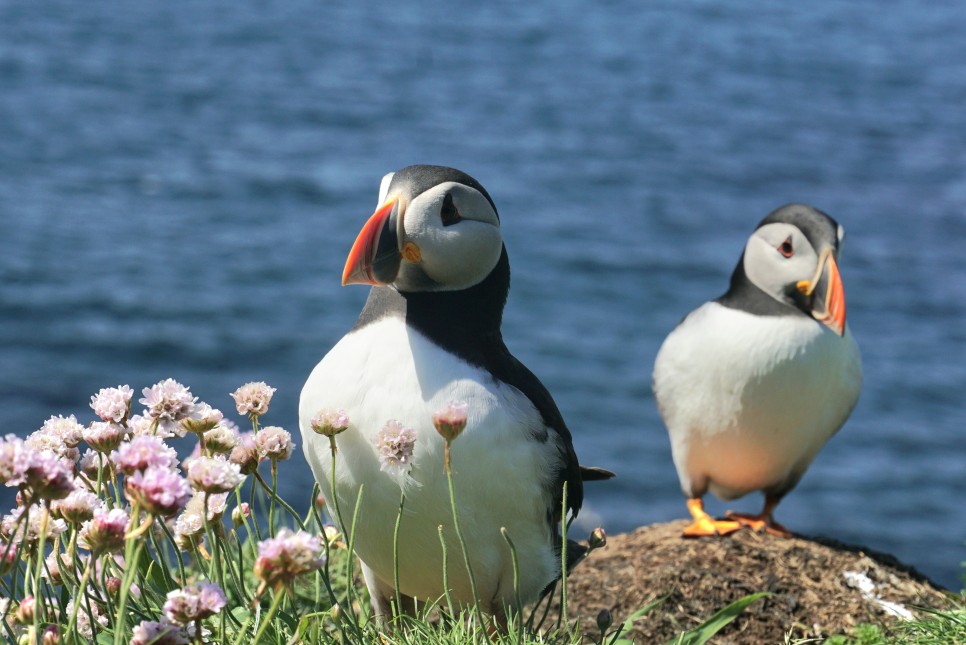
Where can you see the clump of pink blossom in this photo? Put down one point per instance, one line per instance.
(245, 453)
(158, 491)
(166, 403)
(149, 632)
(43, 475)
(78, 506)
(213, 474)
(450, 420)
(67, 428)
(142, 452)
(288, 555)
(113, 403)
(39, 522)
(252, 399)
(104, 532)
(395, 444)
(11, 460)
(195, 602)
(274, 443)
(104, 436)
(223, 438)
(330, 421)
(202, 418)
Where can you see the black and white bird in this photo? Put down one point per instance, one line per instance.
(430, 334)
(751, 385)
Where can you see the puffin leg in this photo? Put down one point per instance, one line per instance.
(704, 524)
(764, 521)
(382, 598)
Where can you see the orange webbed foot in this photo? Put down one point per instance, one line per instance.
(759, 523)
(704, 525)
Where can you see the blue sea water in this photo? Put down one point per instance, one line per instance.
(180, 183)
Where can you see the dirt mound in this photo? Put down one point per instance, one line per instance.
(818, 587)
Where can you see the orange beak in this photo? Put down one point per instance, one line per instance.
(827, 293)
(374, 258)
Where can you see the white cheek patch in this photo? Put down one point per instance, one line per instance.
(460, 259)
(769, 270)
(384, 188)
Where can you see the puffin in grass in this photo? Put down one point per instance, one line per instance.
(752, 384)
(430, 335)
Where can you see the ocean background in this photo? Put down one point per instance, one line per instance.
(180, 184)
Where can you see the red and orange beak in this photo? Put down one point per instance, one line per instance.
(375, 257)
(826, 293)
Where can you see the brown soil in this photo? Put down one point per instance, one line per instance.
(811, 596)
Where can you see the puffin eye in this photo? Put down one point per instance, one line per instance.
(786, 248)
(449, 214)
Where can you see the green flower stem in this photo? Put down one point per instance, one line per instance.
(132, 552)
(449, 596)
(281, 502)
(82, 591)
(215, 571)
(38, 569)
(349, 537)
(518, 605)
(395, 552)
(182, 576)
(273, 499)
(252, 506)
(267, 620)
(352, 543)
(459, 534)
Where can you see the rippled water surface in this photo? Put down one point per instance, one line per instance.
(180, 183)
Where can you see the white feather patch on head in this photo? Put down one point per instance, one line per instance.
(384, 188)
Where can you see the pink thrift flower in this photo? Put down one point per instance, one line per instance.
(43, 441)
(70, 432)
(149, 632)
(25, 611)
(395, 444)
(143, 451)
(11, 462)
(213, 474)
(45, 475)
(194, 602)
(39, 521)
(241, 513)
(54, 566)
(274, 443)
(141, 425)
(104, 436)
(450, 420)
(113, 403)
(9, 554)
(288, 555)
(78, 506)
(158, 491)
(252, 399)
(330, 422)
(90, 464)
(84, 627)
(191, 521)
(104, 533)
(245, 453)
(223, 438)
(202, 418)
(167, 403)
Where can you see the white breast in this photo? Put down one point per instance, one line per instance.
(388, 371)
(749, 400)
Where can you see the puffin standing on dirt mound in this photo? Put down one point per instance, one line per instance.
(751, 385)
(429, 334)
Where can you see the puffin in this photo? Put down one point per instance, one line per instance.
(430, 334)
(752, 384)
